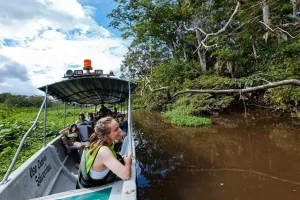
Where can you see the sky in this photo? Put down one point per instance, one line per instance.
(41, 39)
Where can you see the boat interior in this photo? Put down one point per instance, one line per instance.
(50, 173)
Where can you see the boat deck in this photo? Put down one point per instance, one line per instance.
(69, 164)
(60, 186)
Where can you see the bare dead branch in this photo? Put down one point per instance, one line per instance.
(280, 29)
(207, 35)
(290, 25)
(166, 89)
(210, 46)
(225, 26)
(294, 82)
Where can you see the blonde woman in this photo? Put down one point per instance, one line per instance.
(100, 164)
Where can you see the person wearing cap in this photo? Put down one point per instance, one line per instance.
(71, 137)
(81, 120)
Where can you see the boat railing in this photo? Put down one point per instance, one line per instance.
(44, 105)
(129, 186)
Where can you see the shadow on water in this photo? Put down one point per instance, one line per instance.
(231, 159)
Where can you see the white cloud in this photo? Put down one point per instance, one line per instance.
(15, 81)
(15, 86)
(47, 36)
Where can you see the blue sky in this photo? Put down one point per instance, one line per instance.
(44, 38)
(104, 7)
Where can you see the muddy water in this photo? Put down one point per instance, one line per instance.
(257, 157)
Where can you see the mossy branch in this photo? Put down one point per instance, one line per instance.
(294, 82)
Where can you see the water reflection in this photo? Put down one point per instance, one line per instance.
(231, 159)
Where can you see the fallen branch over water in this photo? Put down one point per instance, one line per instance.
(294, 82)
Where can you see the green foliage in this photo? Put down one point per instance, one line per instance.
(190, 121)
(212, 82)
(23, 101)
(174, 74)
(248, 55)
(181, 114)
(286, 97)
(15, 122)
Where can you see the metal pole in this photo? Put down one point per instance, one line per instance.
(21, 145)
(74, 114)
(65, 113)
(130, 147)
(45, 115)
(127, 107)
(124, 109)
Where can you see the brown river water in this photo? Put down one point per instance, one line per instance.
(235, 158)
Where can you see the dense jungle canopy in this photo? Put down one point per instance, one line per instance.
(205, 44)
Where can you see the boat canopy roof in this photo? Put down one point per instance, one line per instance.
(90, 90)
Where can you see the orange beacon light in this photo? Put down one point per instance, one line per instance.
(87, 64)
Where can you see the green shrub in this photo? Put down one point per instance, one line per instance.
(15, 122)
(182, 116)
(190, 121)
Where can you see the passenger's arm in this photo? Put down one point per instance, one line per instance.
(64, 131)
(122, 171)
(79, 136)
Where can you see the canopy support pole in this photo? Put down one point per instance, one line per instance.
(45, 115)
(5, 179)
(65, 113)
(74, 113)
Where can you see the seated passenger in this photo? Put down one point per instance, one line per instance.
(71, 137)
(120, 118)
(103, 109)
(100, 164)
(81, 120)
(123, 123)
(109, 113)
(90, 120)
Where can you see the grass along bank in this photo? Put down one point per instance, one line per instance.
(182, 116)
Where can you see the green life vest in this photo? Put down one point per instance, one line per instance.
(73, 137)
(87, 160)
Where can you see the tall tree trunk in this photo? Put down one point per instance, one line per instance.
(294, 3)
(229, 68)
(202, 60)
(184, 54)
(266, 12)
(201, 55)
(254, 50)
